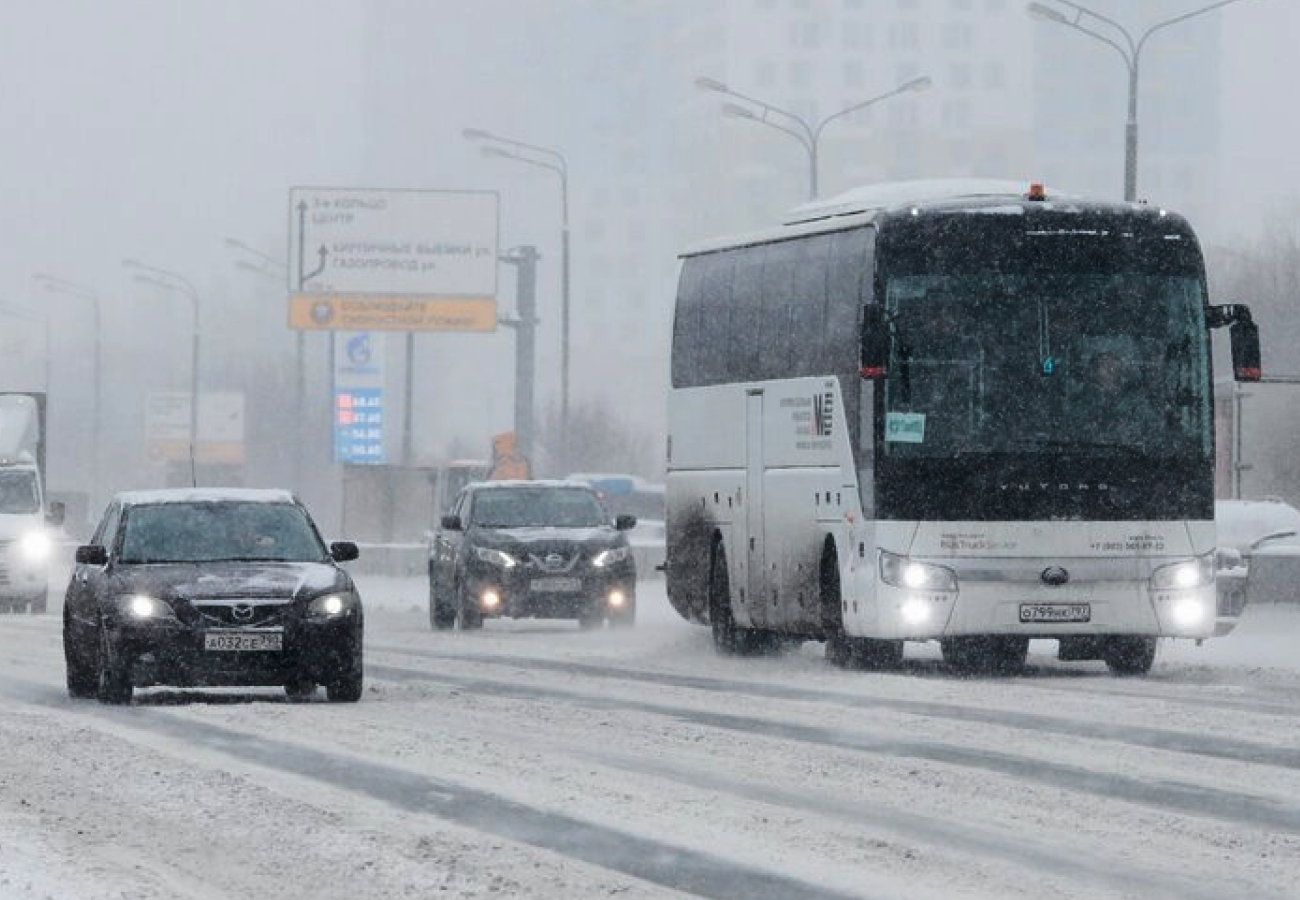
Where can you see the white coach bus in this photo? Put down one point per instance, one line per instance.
(962, 412)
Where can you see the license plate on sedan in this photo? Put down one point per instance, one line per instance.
(1055, 612)
(557, 585)
(243, 640)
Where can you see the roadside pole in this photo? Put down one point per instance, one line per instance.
(524, 259)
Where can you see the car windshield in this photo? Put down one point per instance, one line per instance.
(537, 508)
(18, 493)
(209, 532)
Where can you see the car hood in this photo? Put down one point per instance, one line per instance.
(232, 579)
(537, 539)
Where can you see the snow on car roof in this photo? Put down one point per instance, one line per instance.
(532, 483)
(206, 495)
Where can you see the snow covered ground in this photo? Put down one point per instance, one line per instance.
(536, 760)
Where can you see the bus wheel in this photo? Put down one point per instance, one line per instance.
(1128, 655)
(841, 649)
(728, 637)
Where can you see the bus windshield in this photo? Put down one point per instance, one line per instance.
(1070, 364)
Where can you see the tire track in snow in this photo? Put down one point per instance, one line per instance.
(981, 842)
(1134, 735)
(677, 868)
(1170, 796)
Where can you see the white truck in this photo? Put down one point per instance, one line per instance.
(25, 542)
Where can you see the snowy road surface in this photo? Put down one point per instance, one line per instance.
(535, 760)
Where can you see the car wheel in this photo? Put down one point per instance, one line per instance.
(1129, 655)
(346, 688)
(114, 677)
(441, 616)
(39, 603)
(83, 676)
(300, 689)
(468, 616)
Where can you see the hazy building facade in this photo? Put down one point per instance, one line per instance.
(1080, 105)
(817, 57)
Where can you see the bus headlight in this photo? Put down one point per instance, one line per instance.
(1188, 612)
(1184, 575)
(915, 611)
(900, 571)
(36, 546)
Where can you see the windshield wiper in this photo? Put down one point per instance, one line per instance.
(1060, 444)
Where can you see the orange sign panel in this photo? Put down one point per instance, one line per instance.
(326, 312)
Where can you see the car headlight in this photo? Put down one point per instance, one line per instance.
(36, 546)
(900, 571)
(496, 557)
(1184, 575)
(142, 606)
(609, 556)
(327, 606)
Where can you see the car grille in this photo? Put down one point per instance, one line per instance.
(244, 614)
(552, 562)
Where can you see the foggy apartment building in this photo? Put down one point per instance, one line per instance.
(579, 77)
(612, 93)
(817, 57)
(1080, 106)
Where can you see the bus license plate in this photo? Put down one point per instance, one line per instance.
(1055, 612)
(243, 640)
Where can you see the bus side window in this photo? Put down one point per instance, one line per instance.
(770, 357)
(742, 341)
(687, 335)
(715, 316)
(806, 334)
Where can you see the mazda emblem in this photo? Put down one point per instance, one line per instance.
(1055, 576)
(554, 560)
(242, 612)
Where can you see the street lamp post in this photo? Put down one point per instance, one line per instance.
(173, 281)
(808, 134)
(1131, 54)
(57, 285)
(508, 148)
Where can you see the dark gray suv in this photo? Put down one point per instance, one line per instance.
(531, 549)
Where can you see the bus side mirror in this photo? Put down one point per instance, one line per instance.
(1244, 337)
(873, 357)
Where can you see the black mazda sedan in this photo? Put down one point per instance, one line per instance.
(208, 587)
(531, 549)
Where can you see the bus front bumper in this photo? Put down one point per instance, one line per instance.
(1102, 608)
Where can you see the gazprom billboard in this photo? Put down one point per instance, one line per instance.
(358, 398)
(395, 260)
